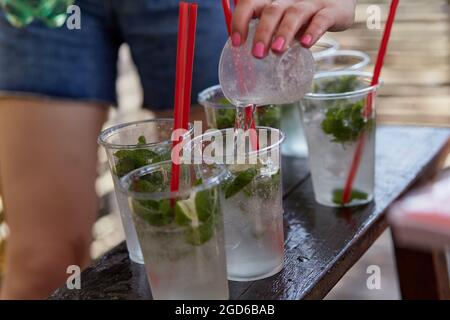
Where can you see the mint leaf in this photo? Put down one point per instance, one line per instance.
(340, 85)
(142, 140)
(225, 118)
(240, 181)
(224, 101)
(124, 166)
(156, 180)
(269, 116)
(156, 213)
(344, 122)
(206, 204)
(152, 182)
(354, 195)
(129, 160)
(201, 234)
(142, 185)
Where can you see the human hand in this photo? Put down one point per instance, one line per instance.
(283, 20)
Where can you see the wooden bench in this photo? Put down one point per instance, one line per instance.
(321, 243)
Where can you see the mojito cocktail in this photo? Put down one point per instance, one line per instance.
(131, 146)
(252, 206)
(334, 117)
(253, 213)
(291, 124)
(181, 233)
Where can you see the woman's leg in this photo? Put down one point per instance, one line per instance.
(48, 158)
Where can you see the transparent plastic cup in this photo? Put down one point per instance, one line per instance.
(252, 204)
(334, 119)
(291, 123)
(341, 60)
(295, 141)
(125, 154)
(333, 60)
(324, 47)
(221, 114)
(276, 79)
(181, 233)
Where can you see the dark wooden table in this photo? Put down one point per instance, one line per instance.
(321, 243)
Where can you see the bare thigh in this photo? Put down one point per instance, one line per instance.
(48, 157)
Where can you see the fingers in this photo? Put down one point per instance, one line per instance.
(294, 19)
(269, 20)
(281, 21)
(320, 23)
(242, 15)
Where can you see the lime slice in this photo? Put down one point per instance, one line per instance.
(185, 213)
(198, 214)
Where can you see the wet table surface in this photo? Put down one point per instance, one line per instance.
(321, 243)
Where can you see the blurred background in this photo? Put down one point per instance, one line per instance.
(416, 92)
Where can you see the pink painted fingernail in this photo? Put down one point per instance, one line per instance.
(236, 39)
(278, 44)
(306, 40)
(258, 50)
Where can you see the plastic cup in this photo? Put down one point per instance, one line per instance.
(324, 47)
(252, 203)
(181, 233)
(341, 60)
(125, 154)
(331, 60)
(334, 119)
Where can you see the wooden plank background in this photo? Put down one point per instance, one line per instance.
(417, 66)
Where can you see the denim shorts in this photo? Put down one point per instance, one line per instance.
(81, 64)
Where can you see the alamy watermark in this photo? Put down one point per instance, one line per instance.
(373, 281)
(73, 21)
(373, 21)
(74, 280)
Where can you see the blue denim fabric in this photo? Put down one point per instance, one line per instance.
(81, 64)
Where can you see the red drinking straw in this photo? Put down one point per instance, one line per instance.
(368, 108)
(227, 12)
(181, 65)
(189, 62)
(183, 79)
